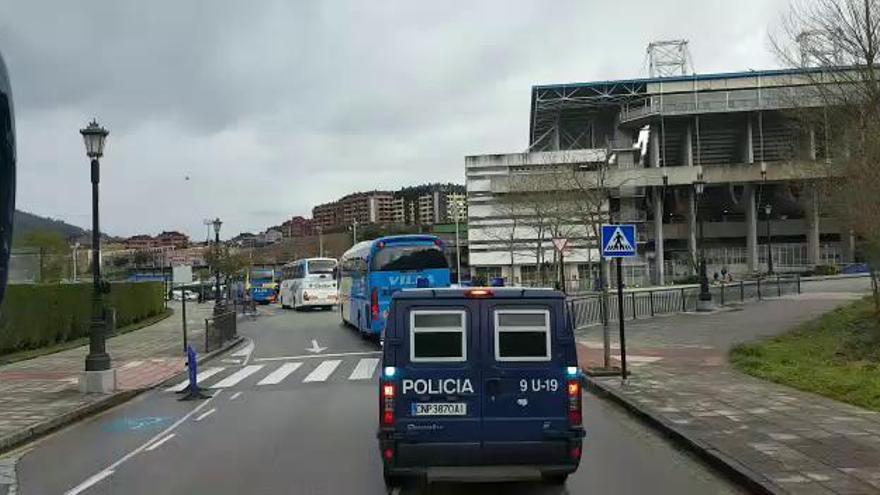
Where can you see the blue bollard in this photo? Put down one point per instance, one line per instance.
(193, 391)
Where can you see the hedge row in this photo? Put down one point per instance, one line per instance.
(34, 316)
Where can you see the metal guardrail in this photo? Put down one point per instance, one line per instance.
(646, 303)
(220, 329)
(244, 307)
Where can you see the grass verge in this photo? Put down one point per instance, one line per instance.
(70, 344)
(836, 355)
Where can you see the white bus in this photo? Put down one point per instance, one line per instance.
(309, 282)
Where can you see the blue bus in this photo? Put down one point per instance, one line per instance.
(372, 271)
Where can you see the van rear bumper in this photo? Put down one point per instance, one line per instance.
(484, 474)
(505, 460)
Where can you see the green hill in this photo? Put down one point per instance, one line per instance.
(24, 222)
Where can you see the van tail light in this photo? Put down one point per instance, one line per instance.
(479, 293)
(374, 304)
(388, 454)
(575, 453)
(387, 405)
(575, 418)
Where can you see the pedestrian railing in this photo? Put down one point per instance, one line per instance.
(588, 309)
(244, 307)
(219, 329)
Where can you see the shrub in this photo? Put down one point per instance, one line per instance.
(38, 315)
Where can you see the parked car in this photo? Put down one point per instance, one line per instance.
(178, 295)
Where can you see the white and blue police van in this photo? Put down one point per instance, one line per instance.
(477, 379)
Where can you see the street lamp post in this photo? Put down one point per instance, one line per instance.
(354, 232)
(768, 210)
(218, 308)
(97, 360)
(704, 301)
(320, 241)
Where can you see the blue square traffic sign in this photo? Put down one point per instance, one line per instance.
(619, 241)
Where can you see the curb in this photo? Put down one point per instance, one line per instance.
(733, 469)
(31, 433)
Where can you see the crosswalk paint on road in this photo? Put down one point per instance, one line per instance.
(279, 374)
(272, 374)
(364, 369)
(238, 376)
(207, 373)
(323, 371)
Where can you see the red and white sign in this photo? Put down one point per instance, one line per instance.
(561, 244)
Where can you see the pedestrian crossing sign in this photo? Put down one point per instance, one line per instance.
(618, 241)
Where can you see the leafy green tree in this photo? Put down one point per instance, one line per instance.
(230, 264)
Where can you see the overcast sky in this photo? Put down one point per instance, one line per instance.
(271, 107)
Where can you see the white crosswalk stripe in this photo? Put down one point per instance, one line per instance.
(364, 369)
(238, 376)
(280, 374)
(323, 371)
(207, 373)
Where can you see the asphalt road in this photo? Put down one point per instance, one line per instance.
(286, 420)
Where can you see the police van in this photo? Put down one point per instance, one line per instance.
(479, 383)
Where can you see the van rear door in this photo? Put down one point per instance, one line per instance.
(525, 416)
(439, 410)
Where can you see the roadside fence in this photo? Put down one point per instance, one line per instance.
(588, 310)
(220, 329)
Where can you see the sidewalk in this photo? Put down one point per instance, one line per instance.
(774, 438)
(42, 393)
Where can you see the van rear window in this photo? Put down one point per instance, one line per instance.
(522, 335)
(437, 336)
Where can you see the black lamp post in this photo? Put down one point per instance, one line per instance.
(768, 209)
(705, 297)
(218, 308)
(94, 137)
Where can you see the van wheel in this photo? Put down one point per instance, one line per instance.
(555, 479)
(392, 481)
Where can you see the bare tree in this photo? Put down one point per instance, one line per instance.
(836, 43)
(505, 234)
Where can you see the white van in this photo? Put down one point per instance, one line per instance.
(309, 282)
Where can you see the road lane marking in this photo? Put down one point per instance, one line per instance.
(159, 442)
(234, 396)
(85, 485)
(323, 371)
(205, 414)
(322, 356)
(280, 374)
(112, 467)
(238, 376)
(131, 364)
(244, 351)
(199, 378)
(364, 369)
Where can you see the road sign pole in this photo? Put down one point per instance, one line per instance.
(183, 313)
(620, 318)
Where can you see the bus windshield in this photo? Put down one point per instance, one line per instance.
(321, 266)
(408, 258)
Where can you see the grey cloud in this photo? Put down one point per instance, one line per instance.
(273, 106)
